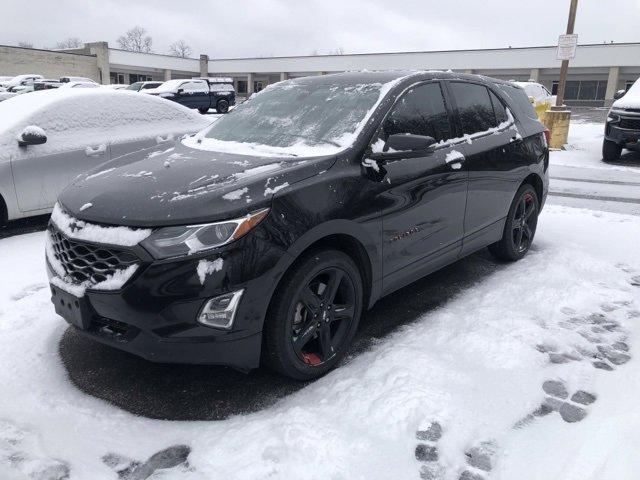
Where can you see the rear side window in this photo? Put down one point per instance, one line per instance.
(519, 98)
(421, 111)
(474, 107)
(498, 108)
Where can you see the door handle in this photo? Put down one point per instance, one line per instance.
(455, 159)
(96, 151)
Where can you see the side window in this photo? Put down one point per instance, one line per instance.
(194, 87)
(519, 100)
(421, 111)
(474, 107)
(498, 108)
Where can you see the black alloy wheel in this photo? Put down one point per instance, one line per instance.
(222, 106)
(520, 226)
(313, 316)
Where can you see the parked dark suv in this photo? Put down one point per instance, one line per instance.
(264, 237)
(622, 128)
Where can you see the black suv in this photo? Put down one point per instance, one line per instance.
(264, 237)
(622, 129)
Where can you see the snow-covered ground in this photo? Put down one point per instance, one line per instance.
(530, 373)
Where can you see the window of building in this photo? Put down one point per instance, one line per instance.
(588, 90)
(474, 107)
(421, 111)
(242, 86)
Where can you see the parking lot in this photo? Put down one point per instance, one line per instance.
(510, 361)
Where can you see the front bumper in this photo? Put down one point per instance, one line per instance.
(625, 131)
(154, 314)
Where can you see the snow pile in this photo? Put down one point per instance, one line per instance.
(235, 194)
(206, 267)
(73, 118)
(454, 156)
(80, 230)
(473, 365)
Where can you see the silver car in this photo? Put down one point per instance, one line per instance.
(47, 138)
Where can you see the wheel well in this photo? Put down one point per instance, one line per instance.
(536, 182)
(350, 246)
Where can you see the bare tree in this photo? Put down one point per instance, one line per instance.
(71, 42)
(135, 40)
(180, 49)
(338, 51)
(25, 44)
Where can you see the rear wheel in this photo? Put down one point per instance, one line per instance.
(4, 215)
(222, 106)
(203, 110)
(611, 151)
(520, 227)
(313, 316)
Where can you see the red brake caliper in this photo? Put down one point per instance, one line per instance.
(311, 359)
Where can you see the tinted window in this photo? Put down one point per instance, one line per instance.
(519, 98)
(499, 109)
(474, 107)
(421, 111)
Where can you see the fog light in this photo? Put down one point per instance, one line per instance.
(219, 312)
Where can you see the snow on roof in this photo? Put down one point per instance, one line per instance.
(631, 99)
(101, 114)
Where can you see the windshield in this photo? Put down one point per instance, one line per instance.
(134, 86)
(291, 113)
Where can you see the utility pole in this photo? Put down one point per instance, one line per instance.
(565, 63)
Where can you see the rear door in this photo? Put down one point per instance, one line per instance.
(423, 194)
(492, 152)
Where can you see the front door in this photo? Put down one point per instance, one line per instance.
(41, 172)
(424, 194)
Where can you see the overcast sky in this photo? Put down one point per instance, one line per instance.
(239, 28)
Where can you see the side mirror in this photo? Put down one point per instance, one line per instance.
(180, 90)
(406, 142)
(32, 136)
(619, 94)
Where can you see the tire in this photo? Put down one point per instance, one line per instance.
(203, 110)
(611, 151)
(520, 226)
(222, 106)
(304, 335)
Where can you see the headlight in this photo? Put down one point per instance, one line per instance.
(175, 241)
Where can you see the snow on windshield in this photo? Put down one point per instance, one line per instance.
(295, 119)
(73, 118)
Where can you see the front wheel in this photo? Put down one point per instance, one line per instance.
(222, 106)
(520, 226)
(313, 316)
(611, 151)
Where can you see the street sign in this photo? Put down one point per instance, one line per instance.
(567, 46)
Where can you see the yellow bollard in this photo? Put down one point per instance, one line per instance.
(557, 121)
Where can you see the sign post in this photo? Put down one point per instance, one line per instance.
(566, 50)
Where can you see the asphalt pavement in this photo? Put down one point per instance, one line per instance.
(185, 392)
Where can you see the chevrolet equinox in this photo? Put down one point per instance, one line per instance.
(264, 237)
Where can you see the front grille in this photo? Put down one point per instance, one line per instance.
(85, 262)
(630, 123)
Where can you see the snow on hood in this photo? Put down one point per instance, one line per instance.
(181, 185)
(631, 99)
(99, 114)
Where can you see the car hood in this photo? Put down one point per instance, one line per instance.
(628, 101)
(182, 185)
